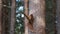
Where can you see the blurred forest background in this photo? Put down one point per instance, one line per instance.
(19, 24)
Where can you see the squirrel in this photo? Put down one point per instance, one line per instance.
(30, 20)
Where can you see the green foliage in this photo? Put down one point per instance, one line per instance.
(19, 27)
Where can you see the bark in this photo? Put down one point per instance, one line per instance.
(5, 18)
(58, 16)
(13, 12)
(0, 16)
(37, 8)
(26, 12)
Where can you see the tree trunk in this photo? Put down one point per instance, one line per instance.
(5, 22)
(58, 16)
(0, 16)
(13, 12)
(54, 16)
(26, 12)
(37, 9)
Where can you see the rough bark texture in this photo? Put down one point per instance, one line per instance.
(13, 12)
(37, 8)
(0, 16)
(58, 16)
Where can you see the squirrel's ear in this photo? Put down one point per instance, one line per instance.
(32, 18)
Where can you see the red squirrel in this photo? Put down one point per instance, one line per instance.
(30, 20)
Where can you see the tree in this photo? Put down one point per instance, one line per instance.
(5, 25)
(37, 9)
(50, 16)
(58, 16)
(13, 12)
(26, 12)
(0, 16)
(54, 16)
